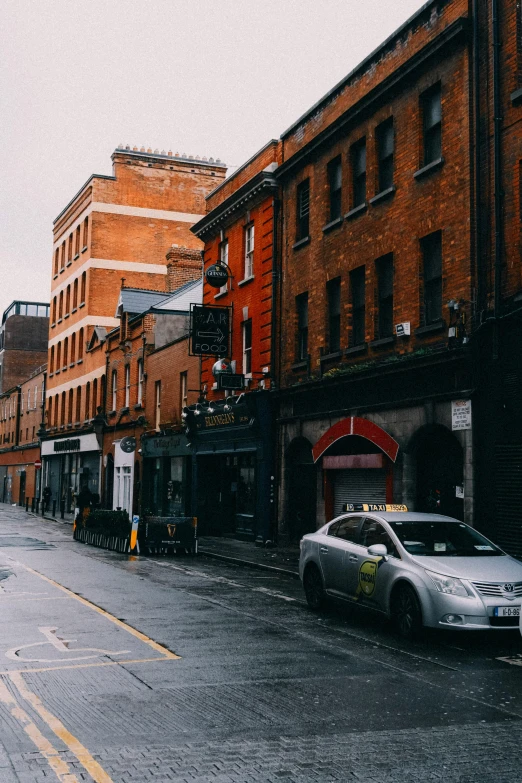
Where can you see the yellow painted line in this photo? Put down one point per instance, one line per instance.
(32, 600)
(96, 772)
(57, 764)
(163, 659)
(133, 631)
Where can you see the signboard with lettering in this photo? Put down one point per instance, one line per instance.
(165, 446)
(231, 381)
(461, 414)
(217, 275)
(236, 416)
(210, 330)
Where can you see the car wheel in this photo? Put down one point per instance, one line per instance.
(313, 588)
(406, 612)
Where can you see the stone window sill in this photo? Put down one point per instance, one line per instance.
(138, 407)
(355, 349)
(516, 97)
(82, 304)
(62, 269)
(66, 316)
(80, 361)
(112, 413)
(55, 276)
(382, 341)
(246, 280)
(333, 224)
(52, 326)
(72, 364)
(356, 211)
(77, 255)
(69, 263)
(57, 372)
(221, 293)
(84, 249)
(59, 321)
(300, 365)
(435, 165)
(328, 357)
(383, 195)
(425, 331)
(74, 310)
(51, 374)
(302, 242)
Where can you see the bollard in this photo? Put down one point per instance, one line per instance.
(33, 503)
(36, 505)
(62, 509)
(54, 508)
(27, 505)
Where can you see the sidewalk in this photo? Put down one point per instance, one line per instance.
(281, 559)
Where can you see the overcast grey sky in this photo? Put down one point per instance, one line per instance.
(208, 77)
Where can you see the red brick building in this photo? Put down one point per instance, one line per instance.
(232, 436)
(23, 341)
(379, 282)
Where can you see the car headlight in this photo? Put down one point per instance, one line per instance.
(448, 584)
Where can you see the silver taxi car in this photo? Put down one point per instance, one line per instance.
(417, 569)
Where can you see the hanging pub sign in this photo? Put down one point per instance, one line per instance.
(232, 382)
(209, 330)
(217, 275)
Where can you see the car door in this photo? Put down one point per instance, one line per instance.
(375, 574)
(336, 553)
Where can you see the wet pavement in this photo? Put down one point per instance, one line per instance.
(121, 668)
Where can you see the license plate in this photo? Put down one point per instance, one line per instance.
(507, 611)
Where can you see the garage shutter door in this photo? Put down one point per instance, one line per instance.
(508, 512)
(358, 486)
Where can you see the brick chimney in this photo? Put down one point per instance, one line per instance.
(183, 265)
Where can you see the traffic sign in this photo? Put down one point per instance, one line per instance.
(209, 330)
(37, 464)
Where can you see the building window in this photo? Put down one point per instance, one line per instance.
(63, 257)
(157, 404)
(80, 344)
(83, 286)
(385, 150)
(73, 349)
(68, 299)
(246, 327)
(65, 352)
(77, 245)
(75, 294)
(34, 433)
(249, 251)
(301, 303)
(56, 403)
(333, 295)
(432, 277)
(431, 108)
(53, 319)
(385, 297)
(127, 385)
(94, 397)
(87, 400)
(70, 411)
(58, 356)
(70, 248)
(223, 257)
(303, 210)
(62, 412)
(22, 400)
(334, 186)
(359, 173)
(56, 260)
(140, 381)
(358, 294)
(60, 306)
(183, 389)
(51, 360)
(85, 233)
(78, 403)
(114, 389)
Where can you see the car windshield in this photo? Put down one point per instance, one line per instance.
(443, 539)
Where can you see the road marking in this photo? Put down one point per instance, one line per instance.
(515, 660)
(87, 665)
(57, 764)
(133, 631)
(62, 646)
(96, 772)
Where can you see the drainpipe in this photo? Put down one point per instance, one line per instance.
(479, 266)
(274, 381)
(497, 175)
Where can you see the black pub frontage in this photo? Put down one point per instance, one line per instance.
(232, 469)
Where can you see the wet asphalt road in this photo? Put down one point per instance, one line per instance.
(122, 669)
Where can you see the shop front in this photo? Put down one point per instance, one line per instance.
(69, 465)
(233, 478)
(167, 474)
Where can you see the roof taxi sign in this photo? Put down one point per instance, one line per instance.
(374, 507)
(209, 330)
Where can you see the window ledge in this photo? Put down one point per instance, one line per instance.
(77, 255)
(328, 357)
(66, 316)
(138, 407)
(69, 426)
(221, 293)
(435, 165)
(436, 326)
(79, 361)
(300, 365)
(383, 195)
(64, 369)
(74, 310)
(82, 304)
(84, 249)
(55, 276)
(57, 372)
(111, 413)
(72, 364)
(53, 325)
(50, 375)
(302, 242)
(62, 269)
(358, 210)
(69, 263)
(59, 321)
(516, 97)
(382, 341)
(246, 280)
(333, 224)
(355, 349)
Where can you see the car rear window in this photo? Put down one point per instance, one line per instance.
(443, 539)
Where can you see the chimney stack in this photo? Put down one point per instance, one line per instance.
(183, 265)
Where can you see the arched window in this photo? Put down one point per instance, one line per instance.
(77, 245)
(56, 260)
(68, 300)
(60, 307)
(51, 360)
(83, 286)
(85, 233)
(94, 396)
(53, 319)
(75, 294)
(78, 403)
(70, 411)
(80, 344)
(65, 352)
(72, 358)
(58, 356)
(87, 400)
(63, 257)
(69, 254)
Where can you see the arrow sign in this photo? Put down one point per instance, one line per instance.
(217, 336)
(210, 329)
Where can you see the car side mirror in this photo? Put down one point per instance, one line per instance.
(378, 550)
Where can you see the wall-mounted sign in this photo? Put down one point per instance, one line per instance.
(212, 419)
(216, 275)
(128, 444)
(209, 330)
(71, 444)
(230, 381)
(461, 414)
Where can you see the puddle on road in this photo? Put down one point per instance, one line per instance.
(24, 541)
